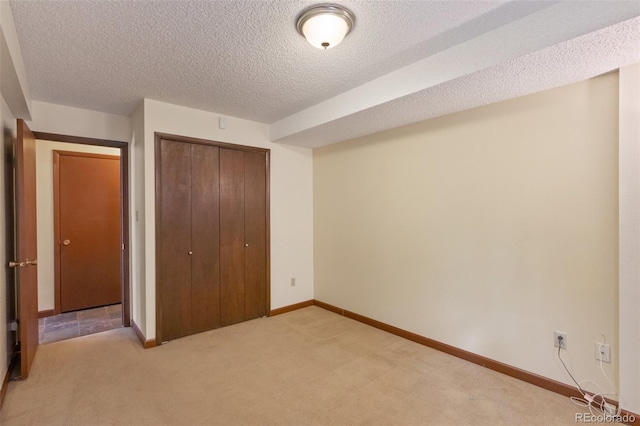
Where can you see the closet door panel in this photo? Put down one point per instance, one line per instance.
(175, 228)
(232, 292)
(205, 225)
(255, 220)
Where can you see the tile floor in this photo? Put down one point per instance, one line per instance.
(79, 323)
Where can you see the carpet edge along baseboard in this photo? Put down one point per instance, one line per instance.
(289, 308)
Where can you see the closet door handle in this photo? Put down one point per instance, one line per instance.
(246, 244)
(190, 253)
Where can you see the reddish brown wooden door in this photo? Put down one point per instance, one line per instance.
(255, 234)
(205, 238)
(212, 237)
(87, 224)
(174, 225)
(188, 239)
(26, 242)
(243, 259)
(232, 291)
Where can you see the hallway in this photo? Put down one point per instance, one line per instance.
(79, 323)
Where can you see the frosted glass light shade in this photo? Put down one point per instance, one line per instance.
(325, 26)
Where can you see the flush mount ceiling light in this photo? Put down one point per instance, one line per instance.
(325, 25)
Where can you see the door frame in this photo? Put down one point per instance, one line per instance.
(158, 137)
(124, 209)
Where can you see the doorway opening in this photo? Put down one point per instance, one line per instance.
(68, 316)
(69, 325)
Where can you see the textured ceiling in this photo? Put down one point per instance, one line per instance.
(245, 59)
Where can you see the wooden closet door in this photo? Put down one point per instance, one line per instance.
(205, 237)
(212, 235)
(232, 262)
(175, 244)
(255, 229)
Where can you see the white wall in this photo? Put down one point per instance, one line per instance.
(630, 238)
(15, 90)
(486, 229)
(291, 199)
(136, 206)
(44, 185)
(64, 120)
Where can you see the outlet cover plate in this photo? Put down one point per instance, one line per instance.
(604, 351)
(564, 339)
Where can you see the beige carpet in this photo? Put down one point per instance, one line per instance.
(308, 367)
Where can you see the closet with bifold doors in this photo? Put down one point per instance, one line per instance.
(212, 239)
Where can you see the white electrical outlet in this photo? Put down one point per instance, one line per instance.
(562, 343)
(603, 351)
(293, 282)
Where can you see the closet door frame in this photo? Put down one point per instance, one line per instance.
(159, 137)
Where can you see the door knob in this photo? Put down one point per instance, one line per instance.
(246, 245)
(66, 242)
(31, 262)
(14, 264)
(190, 253)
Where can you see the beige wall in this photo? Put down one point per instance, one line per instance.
(7, 132)
(630, 238)
(44, 182)
(486, 230)
(290, 190)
